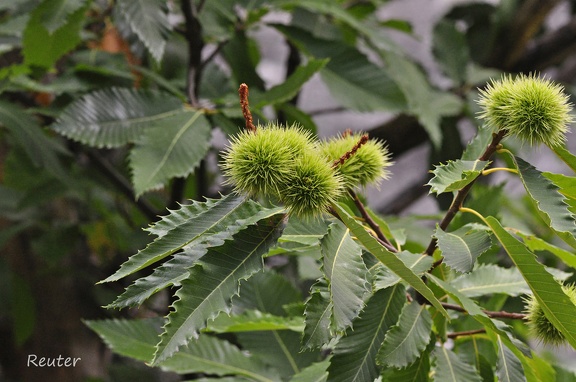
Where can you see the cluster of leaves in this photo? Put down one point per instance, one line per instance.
(357, 296)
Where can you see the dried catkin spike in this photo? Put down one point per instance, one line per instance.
(243, 94)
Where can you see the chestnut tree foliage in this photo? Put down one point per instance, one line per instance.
(261, 260)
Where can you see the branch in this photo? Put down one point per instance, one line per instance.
(491, 314)
(121, 184)
(465, 333)
(375, 227)
(461, 195)
(194, 38)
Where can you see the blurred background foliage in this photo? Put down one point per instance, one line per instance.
(71, 210)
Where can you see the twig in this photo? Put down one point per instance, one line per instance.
(462, 193)
(243, 93)
(465, 333)
(491, 314)
(368, 219)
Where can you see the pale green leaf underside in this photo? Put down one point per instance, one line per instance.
(131, 338)
(346, 274)
(417, 262)
(406, 340)
(535, 243)
(181, 234)
(475, 312)
(280, 350)
(313, 373)
(318, 329)
(175, 270)
(174, 150)
(509, 368)
(149, 22)
(556, 305)
(454, 175)
(137, 339)
(389, 259)
(117, 116)
(450, 368)
(172, 272)
(254, 321)
(214, 280)
(462, 247)
(549, 201)
(489, 279)
(354, 358)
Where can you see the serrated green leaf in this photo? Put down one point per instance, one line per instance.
(307, 232)
(318, 324)
(137, 339)
(353, 80)
(334, 10)
(42, 48)
(450, 368)
(417, 262)
(172, 272)
(566, 184)
(489, 279)
(173, 151)
(254, 321)
(289, 88)
(535, 243)
(268, 292)
(116, 116)
(556, 305)
(478, 350)
(454, 175)
(210, 355)
(280, 350)
(389, 259)
(213, 281)
(56, 14)
(149, 22)
(313, 373)
(462, 247)
(492, 327)
(354, 358)
(509, 367)
(42, 151)
(417, 372)
(546, 197)
(451, 50)
(346, 274)
(405, 341)
(567, 157)
(180, 235)
(131, 338)
(427, 104)
(477, 145)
